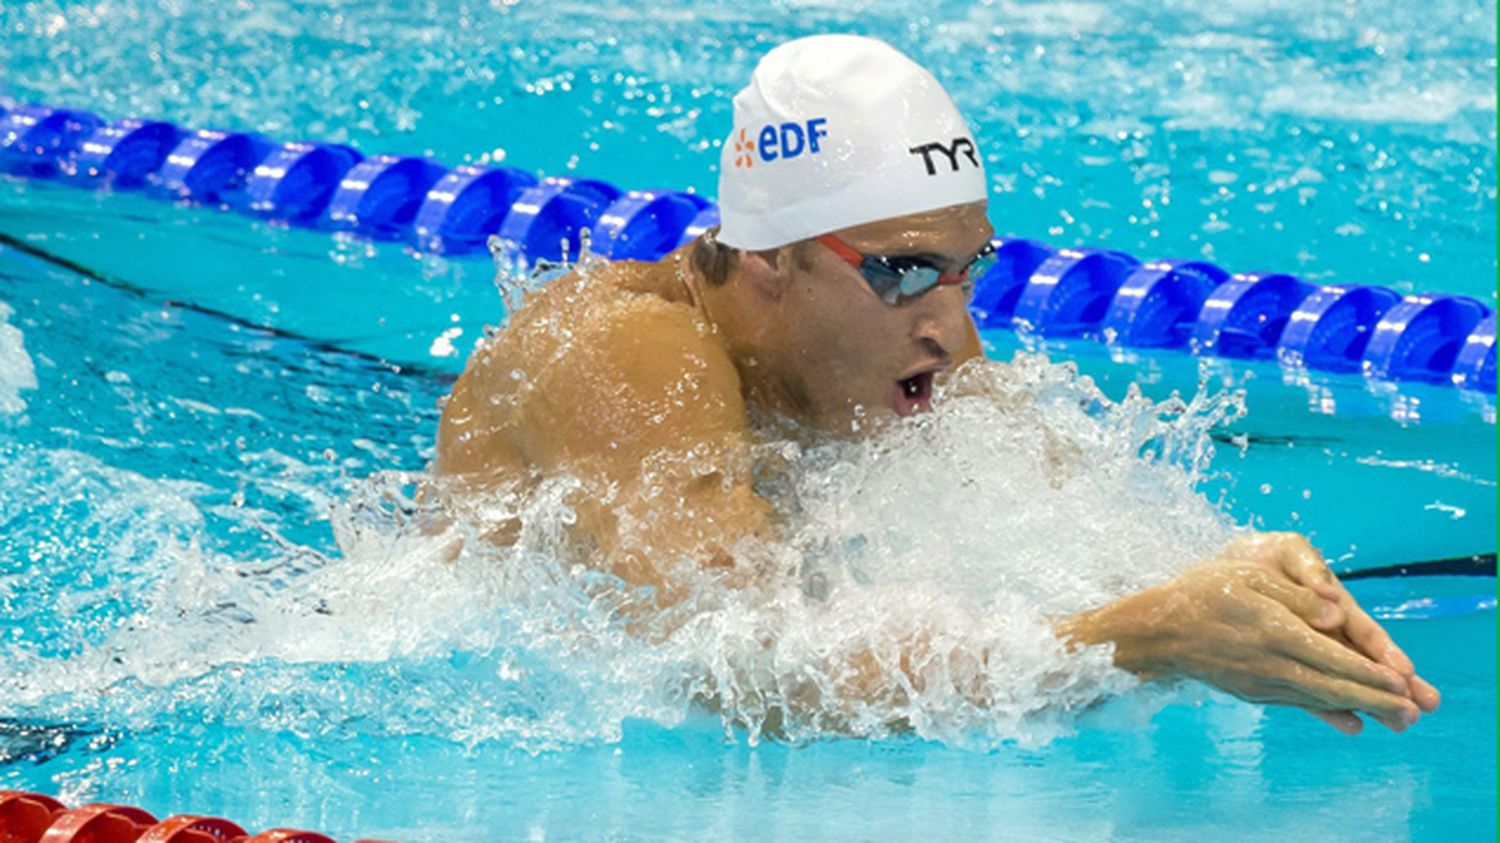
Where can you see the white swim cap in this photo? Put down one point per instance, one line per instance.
(838, 130)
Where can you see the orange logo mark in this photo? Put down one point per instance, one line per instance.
(743, 147)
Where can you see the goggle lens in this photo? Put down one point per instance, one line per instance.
(900, 280)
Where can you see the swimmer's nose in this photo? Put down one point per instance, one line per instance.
(942, 322)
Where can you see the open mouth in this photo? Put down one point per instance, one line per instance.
(913, 394)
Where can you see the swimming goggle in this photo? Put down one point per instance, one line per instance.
(898, 279)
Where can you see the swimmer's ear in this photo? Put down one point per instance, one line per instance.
(765, 272)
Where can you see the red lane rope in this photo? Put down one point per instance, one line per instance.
(37, 818)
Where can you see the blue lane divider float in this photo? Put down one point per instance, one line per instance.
(467, 205)
(213, 167)
(1332, 327)
(547, 219)
(1097, 293)
(379, 197)
(43, 142)
(643, 224)
(1475, 366)
(1157, 304)
(1244, 316)
(999, 291)
(1421, 337)
(295, 182)
(1069, 294)
(125, 154)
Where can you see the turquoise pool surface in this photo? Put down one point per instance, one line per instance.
(192, 404)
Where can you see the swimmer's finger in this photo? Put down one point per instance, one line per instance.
(1325, 615)
(1333, 693)
(1424, 694)
(1306, 565)
(1301, 561)
(1418, 689)
(1330, 658)
(1364, 631)
(1345, 721)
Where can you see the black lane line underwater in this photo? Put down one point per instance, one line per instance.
(330, 347)
(1475, 565)
(1231, 437)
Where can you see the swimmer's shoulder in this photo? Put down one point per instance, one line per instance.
(613, 309)
(602, 295)
(643, 370)
(618, 358)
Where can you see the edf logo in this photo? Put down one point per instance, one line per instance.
(773, 142)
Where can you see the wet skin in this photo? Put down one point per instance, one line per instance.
(607, 375)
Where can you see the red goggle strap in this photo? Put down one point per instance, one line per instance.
(855, 258)
(845, 252)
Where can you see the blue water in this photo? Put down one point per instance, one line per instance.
(210, 391)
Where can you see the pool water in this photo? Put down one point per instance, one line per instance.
(192, 406)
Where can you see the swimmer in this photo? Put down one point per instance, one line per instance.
(835, 293)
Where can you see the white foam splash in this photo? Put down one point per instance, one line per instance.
(16, 369)
(923, 568)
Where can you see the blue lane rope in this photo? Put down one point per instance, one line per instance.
(1094, 293)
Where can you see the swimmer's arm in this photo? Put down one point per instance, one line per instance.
(665, 389)
(1242, 627)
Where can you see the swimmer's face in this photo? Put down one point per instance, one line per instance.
(852, 355)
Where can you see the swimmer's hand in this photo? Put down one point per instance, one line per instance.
(1241, 627)
(1291, 555)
